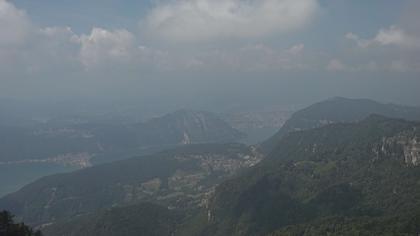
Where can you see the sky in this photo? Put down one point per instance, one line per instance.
(210, 53)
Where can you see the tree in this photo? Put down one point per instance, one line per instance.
(9, 228)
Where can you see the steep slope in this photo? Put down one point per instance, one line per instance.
(345, 173)
(179, 178)
(8, 227)
(336, 110)
(342, 179)
(142, 219)
(258, 125)
(187, 127)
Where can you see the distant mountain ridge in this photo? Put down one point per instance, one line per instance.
(187, 127)
(31, 152)
(328, 173)
(340, 179)
(177, 128)
(339, 109)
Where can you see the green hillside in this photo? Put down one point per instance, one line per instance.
(149, 219)
(181, 178)
(336, 110)
(350, 174)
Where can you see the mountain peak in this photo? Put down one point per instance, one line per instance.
(339, 110)
(188, 127)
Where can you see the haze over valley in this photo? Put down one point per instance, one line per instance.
(209, 118)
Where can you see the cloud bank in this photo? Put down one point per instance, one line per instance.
(103, 46)
(203, 20)
(28, 48)
(14, 24)
(392, 36)
(36, 49)
(391, 49)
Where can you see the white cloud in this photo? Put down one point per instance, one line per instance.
(254, 57)
(58, 45)
(396, 36)
(391, 49)
(297, 49)
(102, 46)
(14, 24)
(336, 65)
(398, 65)
(26, 47)
(201, 20)
(363, 43)
(393, 36)
(63, 33)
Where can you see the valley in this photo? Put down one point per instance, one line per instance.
(81, 145)
(317, 171)
(209, 118)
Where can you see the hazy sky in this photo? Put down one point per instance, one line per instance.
(209, 52)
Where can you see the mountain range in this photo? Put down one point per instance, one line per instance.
(177, 128)
(324, 173)
(30, 152)
(339, 109)
(361, 176)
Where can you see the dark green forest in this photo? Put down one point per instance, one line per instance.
(8, 227)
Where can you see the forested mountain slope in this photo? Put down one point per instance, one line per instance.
(342, 179)
(336, 110)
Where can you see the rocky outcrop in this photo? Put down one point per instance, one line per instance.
(411, 149)
(404, 145)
